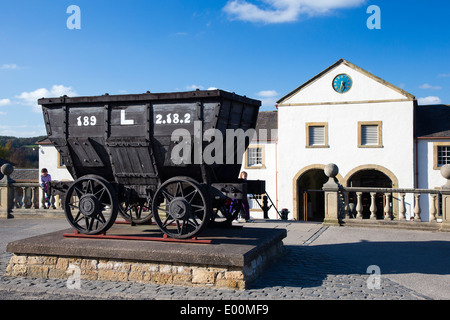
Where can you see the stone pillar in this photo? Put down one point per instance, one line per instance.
(331, 189)
(402, 212)
(6, 192)
(373, 206)
(359, 207)
(445, 172)
(387, 207)
(417, 209)
(433, 210)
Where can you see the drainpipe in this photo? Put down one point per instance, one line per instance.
(416, 157)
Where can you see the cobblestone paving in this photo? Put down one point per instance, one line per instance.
(302, 273)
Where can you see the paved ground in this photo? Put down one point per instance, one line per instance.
(320, 263)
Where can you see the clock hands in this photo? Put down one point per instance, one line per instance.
(342, 83)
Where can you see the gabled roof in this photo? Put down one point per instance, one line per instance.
(25, 175)
(432, 122)
(267, 120)
(351, 65)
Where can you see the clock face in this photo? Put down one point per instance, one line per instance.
(342, 83)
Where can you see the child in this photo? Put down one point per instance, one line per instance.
(243, 204)
(45, 179)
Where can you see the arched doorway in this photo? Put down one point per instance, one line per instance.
(370, 178)
(309, 202)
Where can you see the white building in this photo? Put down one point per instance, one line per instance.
(368, 128)
(373, 131)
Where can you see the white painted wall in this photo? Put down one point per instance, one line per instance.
(48, 158)
(363, 89)
(428, 178)
(396, 155)
(268, 174)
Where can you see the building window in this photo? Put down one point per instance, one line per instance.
(61, 163)
(441, 151)
(370, 134)
(443, 156)
(254, 158)
(317, 135)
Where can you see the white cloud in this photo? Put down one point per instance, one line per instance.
(444, 75)
(281, 11)
(268, 97)
(428, 86)
(194, 87)
(4, 102)
(30, 98)
(429, 100)
(23, 131)
(267, 93)
(9, 66)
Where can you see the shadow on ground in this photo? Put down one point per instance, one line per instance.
(309, 266)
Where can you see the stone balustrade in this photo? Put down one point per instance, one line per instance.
(339, 208)
(23, 196)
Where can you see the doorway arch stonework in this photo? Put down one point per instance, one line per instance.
(385, 171)
(295, 180)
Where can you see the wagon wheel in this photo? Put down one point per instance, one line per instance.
(222, 217)
(91, 205)
(139, 212)
(181, 208)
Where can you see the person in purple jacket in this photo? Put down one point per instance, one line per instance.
(241, 205)
(45, 179)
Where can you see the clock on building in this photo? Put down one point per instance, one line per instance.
(342, 83)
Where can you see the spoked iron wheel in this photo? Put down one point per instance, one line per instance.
(139, 212)
(91, 205)
(223, 216)
(181, 208)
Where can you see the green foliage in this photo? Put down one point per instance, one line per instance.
(21, 152)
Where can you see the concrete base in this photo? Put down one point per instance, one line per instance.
(235, 257)
(396, 224)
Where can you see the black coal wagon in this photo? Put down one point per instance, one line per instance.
(144, 156)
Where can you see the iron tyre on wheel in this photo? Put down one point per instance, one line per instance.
(181, 208)
(91, 205)
(139, 212)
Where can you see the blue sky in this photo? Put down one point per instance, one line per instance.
(260, 48)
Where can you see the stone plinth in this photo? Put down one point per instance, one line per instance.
(235, 258)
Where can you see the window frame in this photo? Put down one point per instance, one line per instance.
(60, 164)
(263, 157)
(379, 124)
(317, 124)
(436, 146)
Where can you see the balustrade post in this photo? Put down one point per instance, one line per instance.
(34, 205)
(331, 190)
(346, 205)
(433, 210)
(52, 201)
(43, 199)
(359, 207)
(387, 207)
(417, 209)
(6, 192)
(445, 172)
(402, 212)
(25, 198)
(16, 200)
(373, 206)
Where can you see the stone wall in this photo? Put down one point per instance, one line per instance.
(54, 267)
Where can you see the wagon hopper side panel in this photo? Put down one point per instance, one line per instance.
(129, 147)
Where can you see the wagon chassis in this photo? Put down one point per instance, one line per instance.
(92, 204)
